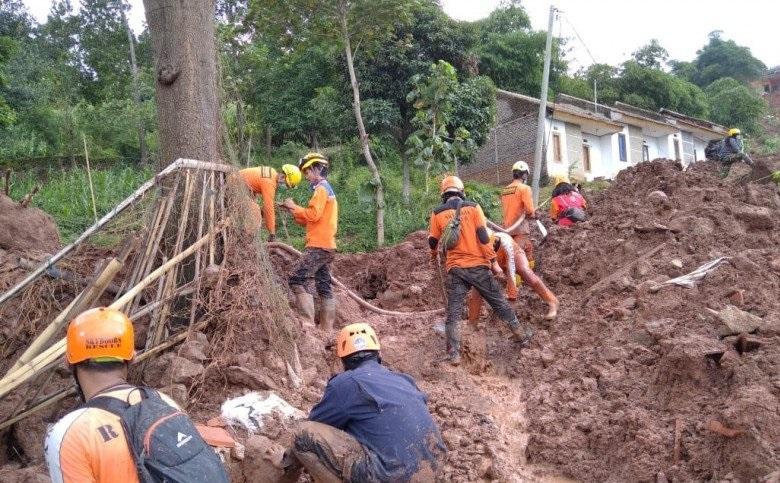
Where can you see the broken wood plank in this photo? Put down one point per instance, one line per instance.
(604, 282)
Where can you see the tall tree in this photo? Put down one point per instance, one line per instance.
(734, 104)
(652, 55)
(136, 86)
(186, 78)
(724, 58)
(350, 24)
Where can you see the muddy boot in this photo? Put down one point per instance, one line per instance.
(523, 335)
(326, 316)
(304, 302)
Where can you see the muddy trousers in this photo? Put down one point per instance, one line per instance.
(730, 159)
(459, 281)
(331, 455)
(527, 244)
(315, 263)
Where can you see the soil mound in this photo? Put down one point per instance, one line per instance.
(26, 228)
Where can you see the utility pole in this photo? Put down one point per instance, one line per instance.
(540, 131)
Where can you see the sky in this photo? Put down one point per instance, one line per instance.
(610, 30)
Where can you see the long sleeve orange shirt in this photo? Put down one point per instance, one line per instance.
(516, 199)
(320, 217)
(469, 251)
(262, 181)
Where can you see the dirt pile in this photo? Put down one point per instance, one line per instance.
(634, 382)
(26, 228)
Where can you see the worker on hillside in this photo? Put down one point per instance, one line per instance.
(567, 205)
(371, 425)
(460, 227)
(732, 149)
(263, 181)
(511, 258)
(517, 204)
(90, 444)
(320, 217)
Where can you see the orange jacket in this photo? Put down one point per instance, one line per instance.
(88, 445)
(562, 202)
(516, 199)
(473, 248)
(262, 181)
(320, 217)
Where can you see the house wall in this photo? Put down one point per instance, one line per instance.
(596, 161)
(698, 146)
(653, 146)
(664, 146)
(574, 150)
(556, 167)
(687, 144)
(635, 150)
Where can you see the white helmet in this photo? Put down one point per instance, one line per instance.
(521, 166)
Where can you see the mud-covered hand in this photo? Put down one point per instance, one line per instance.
(496, 269)
(288, 204)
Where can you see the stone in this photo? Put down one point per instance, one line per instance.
(755, 217)
(217, 437)
(736, 321)
(177, 392)
(612, 354)
(658, 197)
(262, 459)
(737, 297)
(216, 422)
(238, 451)
(184, 371)
(547, 356)
(629, 303)
(677, 263)
(193, 351)
(201, 338)
(252, 380)
(451, 439)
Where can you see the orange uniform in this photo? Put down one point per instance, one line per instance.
(516, 200)
(88, 445)
(469, 251)
(561, 203)
(262, 181)
(320, 217)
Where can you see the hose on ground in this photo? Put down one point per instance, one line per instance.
(292, 251)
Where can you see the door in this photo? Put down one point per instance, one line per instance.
(586, 158)
(677, 156)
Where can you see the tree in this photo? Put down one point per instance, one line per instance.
(724, 58)
(186, 78)
(136, 86)
(347, 23)
(652, 55)
(654, 89)
(734, 104)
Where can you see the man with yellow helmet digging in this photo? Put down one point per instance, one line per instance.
(458, 230)
(728, 150)
(263, 181)
(122, 432)
(320, 217)
(511, 258)
(371, 425)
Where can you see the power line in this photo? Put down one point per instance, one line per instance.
(580, 38)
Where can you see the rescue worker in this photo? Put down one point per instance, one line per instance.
(511, 258)
(263, 181)
(89, 444)
(567, 205)
(371, 425)
(468, 264)
(732, 149)
(320, 217)
(517, 205)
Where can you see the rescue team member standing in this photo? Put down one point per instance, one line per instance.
(517, 204)
(263, 181)
(511, 258)
(89, 445)
(567, 205)
(371, 425)
(468, 264)
(320, 218)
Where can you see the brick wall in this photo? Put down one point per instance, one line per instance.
(514, 139)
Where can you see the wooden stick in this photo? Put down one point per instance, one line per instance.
(212, 245)
(185, 289)
(50, 355)
(622, 271)
(29, 196)
(201, 214)
(678, 427)
(79, 304)
(161, 286)
(89, 177)
(7, 182)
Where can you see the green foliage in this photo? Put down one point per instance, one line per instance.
(734, 104)
(653, 89)
(723, 58)
(651, 55)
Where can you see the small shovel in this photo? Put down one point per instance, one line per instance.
(542, 229)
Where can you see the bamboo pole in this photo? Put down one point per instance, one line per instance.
(79, 304)
(89, 177)
(212, 245)
(181, 291)
(151, 233)
(201, 215)
(50, 355)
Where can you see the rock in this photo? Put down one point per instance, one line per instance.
(252, 380)
(177, 392)
(414, 290)
(661, 478)
(444, 412)
(547, 356)
(193, 351)
(262, 459)
(736, 321)
(755, 217)
(737, 297)
(659, 199)
(629, 303)
(217, 437)
(200, 337)
(184, 371)
(216, 422)
(775, 264)
(612, 354)
(156, 371)
(238, 451)
(677, 263)
(451, 439)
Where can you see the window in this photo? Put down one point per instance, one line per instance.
(645, 152)
(556, 140)
(677, 150)
(622, 147)
(586, 157)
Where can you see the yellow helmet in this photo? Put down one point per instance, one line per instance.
(292, 175)
(355, 338)
(734, 132)
(311, 158)
(451, 183)
(521, 166)
(560, 178)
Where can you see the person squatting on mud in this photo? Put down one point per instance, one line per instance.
(371, 425)
(468, 262)
(320, 218)
(512, 260)
(262, 181)
(567, 205)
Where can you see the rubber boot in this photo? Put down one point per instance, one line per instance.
(523, 334)
(326, 316)
(304, 302)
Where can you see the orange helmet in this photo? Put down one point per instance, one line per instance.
(355, 338)
(100, 334)
(451, 183)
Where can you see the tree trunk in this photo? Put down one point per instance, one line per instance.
(377, 180)
(406, 191)
(240, 128)
(136, 90)
(184, 49)
(268, 139)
